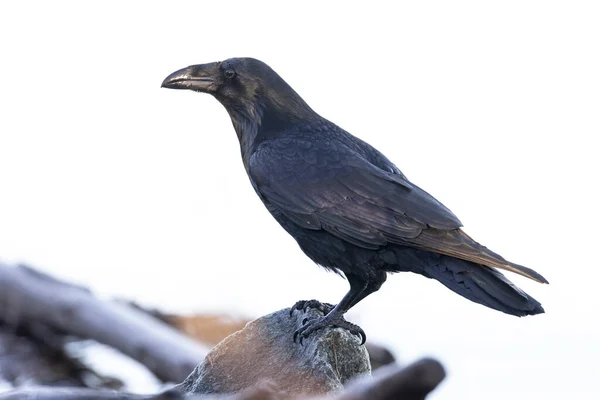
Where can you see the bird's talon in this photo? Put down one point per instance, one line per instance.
(363, 338)
(304, 305)
(312, 325)
(300, 305)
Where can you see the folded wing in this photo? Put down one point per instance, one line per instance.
(328, 186)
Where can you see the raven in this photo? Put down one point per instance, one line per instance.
(350, 209)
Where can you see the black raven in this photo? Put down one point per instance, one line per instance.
(349, 208)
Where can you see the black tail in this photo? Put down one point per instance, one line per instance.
(481, 284)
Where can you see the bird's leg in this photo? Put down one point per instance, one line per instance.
(335, 317)
(372, 287)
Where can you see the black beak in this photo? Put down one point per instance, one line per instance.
(201, 78)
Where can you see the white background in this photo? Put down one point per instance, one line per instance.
(493, 107)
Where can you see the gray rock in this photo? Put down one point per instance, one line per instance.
(264, 351)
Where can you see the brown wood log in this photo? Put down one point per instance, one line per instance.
(27, 295)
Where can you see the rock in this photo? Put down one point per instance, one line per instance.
(264, 351)
(210, 329)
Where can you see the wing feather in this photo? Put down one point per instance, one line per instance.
(341, 192)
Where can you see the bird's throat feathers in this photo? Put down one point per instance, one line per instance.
(263, 115)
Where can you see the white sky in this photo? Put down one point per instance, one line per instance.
(139, 192)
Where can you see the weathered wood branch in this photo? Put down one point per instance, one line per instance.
(35, 354)
(392, 382)
(46, 393)
(51, 309)
(27, 295)
(389, 383)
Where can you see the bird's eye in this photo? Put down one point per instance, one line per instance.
(229, 73)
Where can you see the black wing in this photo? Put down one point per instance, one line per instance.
(327, 185)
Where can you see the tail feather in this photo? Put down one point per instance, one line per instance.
(457, 243)
(483, 285)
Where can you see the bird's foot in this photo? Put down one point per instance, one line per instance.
(304, 305)
(336, 321)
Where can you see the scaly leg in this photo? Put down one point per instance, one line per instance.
(335, 315)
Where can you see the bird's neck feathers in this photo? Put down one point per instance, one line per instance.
(266, 115)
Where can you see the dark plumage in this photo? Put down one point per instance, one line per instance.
(349, 208)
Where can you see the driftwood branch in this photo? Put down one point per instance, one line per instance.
(28, 296)
(49, 311)
(35, 354)
(45, 393)
(389, 383)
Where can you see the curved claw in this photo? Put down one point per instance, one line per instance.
(312, 325)
(325, 308)
(298, 306)
(304, 305)
(362, 336)
(353, 329)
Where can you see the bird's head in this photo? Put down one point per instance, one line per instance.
(255, 96)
